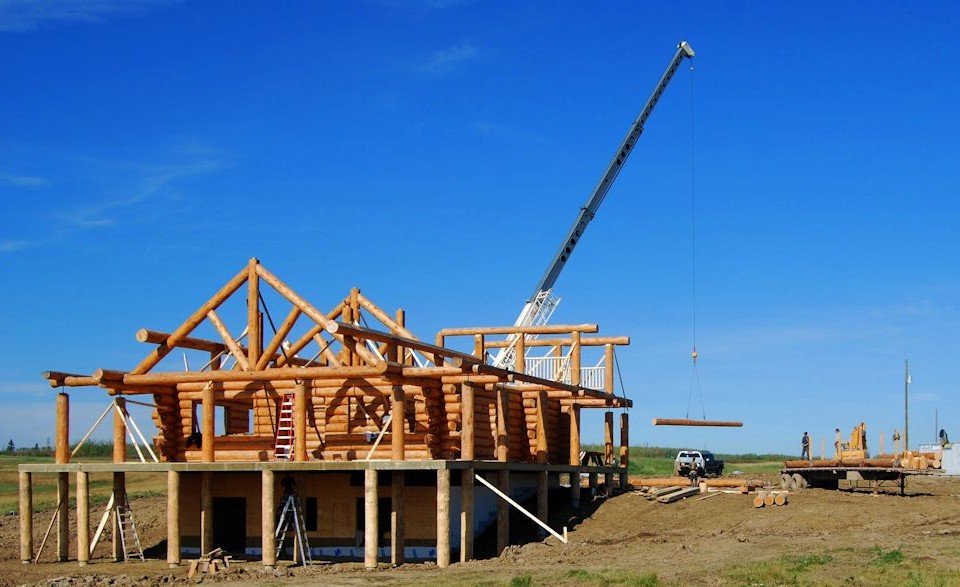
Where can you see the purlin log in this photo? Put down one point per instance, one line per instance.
(688, 422)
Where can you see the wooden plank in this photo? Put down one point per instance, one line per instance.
(678, 495)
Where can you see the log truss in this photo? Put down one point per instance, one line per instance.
(355, 371)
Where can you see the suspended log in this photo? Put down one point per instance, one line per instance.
(688, 422)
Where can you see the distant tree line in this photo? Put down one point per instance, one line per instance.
(91, 448)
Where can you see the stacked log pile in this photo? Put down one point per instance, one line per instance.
(906, 460)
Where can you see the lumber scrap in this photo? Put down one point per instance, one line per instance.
(678, 495)
(663, 491)
(689, 422)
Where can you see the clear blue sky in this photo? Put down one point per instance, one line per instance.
(433, 153)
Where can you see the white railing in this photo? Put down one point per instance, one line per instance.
(558, 369)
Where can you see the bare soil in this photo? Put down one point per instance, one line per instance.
(820, 537)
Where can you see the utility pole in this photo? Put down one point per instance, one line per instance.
(906, 405)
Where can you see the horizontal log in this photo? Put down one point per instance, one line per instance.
(688, 422)
(546, 329)
(684, 481)
(156, 337)
(290, 373)
(552, 342)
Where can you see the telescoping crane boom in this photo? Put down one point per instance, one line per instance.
(541, 304)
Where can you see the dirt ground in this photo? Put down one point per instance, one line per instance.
(820, 537)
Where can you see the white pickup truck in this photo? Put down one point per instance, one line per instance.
(701, 461)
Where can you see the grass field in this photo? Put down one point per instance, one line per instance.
(45, 485)
(655, 461)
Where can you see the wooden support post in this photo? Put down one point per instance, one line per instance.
(575, 490)
(253, 313)
(401, 319)
(397, 530)
(119, 498)
(624, 449)
(503, 438)
(543, 446)
(574, 414)
(371, 530)
(575, 358)
(609, 368)
(466, 515)
(268, 519)
(173, 518)
(557, 365)
(478, 347)
(119, 432)
(443, 519)
(347, 317)
(207, 430)
(398, 424)
(543, 495)
(301, 399)
(206, 512)
(83, 518)
(520, 356)
(62, 441)
(63, 518)
(26, 518)
(608, 450)
(503, 511)
(467, 437)
(594, 482)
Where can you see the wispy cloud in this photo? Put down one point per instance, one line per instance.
(22, 16)
(12, 245)
(505, 131)
(21, 181)
(447, 60)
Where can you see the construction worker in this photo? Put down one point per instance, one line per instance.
(805, 446)
(838, 443)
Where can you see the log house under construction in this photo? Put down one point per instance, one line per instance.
(385, 441)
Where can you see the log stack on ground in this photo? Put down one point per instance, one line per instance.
(770, 499)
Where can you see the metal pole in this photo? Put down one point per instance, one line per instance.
(906, 405)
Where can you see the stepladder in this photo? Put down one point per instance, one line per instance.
(127, 528)
(283, 445)
(291, 518)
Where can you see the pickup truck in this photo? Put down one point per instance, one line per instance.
(701, 461)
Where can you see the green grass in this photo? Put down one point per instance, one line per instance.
(657, 461)
(524, 580)
(890, 557)
(613, 578)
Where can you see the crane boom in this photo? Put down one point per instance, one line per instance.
(542, 302)
(589, 209)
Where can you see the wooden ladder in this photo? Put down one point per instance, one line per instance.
(129, 539)
(283, 445)
(292, 515)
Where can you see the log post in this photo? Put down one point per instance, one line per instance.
(63, 518)
(479, 348)
(398, 423)
(26, 518)
(62, 440)
(543, 495)
(443, 518)
(574, 413)
(397, 529)
(119, 498)
(207, 430)
(371, 531)
(83, 518)
(253, 313)
(119, 432)
(575, 489)
(593, 480)
(206, 512)
(268, 520)
(503, 511)
(503, 438)
(346, 315)
(301, 399)
(624, 449)
(401, 319)
(466, 515)
(609, 367)
(520, 356)
(575, 358)
(467, 437)
(173, 518)
(608, 450)
(543, 446)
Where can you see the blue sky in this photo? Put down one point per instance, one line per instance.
(433, 153)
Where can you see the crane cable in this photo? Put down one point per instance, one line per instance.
(695, 376)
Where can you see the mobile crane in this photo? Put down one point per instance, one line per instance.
(542, 303)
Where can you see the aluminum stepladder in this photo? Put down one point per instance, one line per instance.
(292, 515)
(129, 538)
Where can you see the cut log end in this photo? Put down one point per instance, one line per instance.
(689, 422)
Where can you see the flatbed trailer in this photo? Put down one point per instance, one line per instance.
(800, 478)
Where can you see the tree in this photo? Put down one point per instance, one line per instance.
(10, 446)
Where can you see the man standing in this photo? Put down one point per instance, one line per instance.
(805, 446)
(838, 443)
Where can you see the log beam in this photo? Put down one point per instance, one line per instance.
(689, 422)
(546, 329)
(551, 342)
(443, 518)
